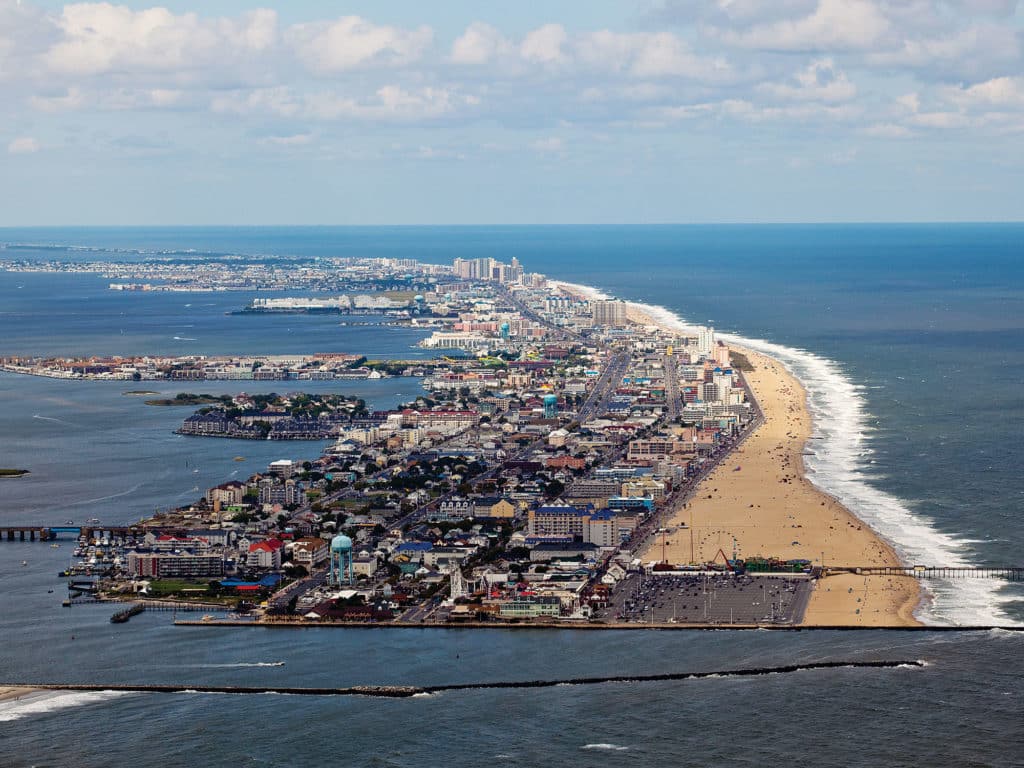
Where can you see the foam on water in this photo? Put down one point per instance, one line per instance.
(606, 747)
(839, 417)
(41, 703)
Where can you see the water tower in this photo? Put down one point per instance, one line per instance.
(505, 330)
(340, 568)
(550, 406)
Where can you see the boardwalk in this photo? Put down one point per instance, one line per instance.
(1011, 573)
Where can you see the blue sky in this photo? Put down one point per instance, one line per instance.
(467, 112)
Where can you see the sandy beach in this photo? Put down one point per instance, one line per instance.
(12, 693)
(760, 502)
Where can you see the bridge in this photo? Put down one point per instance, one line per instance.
(53, 532)
(1011, 573)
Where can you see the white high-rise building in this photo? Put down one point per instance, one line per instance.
(609, 312)
(705, 340)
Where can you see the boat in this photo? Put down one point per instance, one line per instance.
(239, 458)
(55, 546)
(24, 563)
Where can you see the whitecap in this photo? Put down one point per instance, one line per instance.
(44, 702)
(605, 746)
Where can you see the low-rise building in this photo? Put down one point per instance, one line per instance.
(163, 565)
(530, 608)
(265, 554)
(310, 552)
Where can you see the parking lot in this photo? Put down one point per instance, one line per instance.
(709, 599)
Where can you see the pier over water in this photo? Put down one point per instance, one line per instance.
(54, 532)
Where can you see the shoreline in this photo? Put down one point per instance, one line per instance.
(16, 692)
(799, 519)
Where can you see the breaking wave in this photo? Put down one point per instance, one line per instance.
(41, 703)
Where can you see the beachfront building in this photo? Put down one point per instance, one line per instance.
(611, 313)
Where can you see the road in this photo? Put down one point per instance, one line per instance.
(671, 386)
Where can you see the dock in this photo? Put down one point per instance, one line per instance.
(54, 532)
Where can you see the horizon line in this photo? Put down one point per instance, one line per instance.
(864, 222)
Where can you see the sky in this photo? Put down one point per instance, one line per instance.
(459, 112)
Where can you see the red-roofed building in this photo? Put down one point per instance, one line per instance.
(265, 554)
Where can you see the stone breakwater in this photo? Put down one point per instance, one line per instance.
(408, 691)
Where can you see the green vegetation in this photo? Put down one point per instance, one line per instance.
(400, 295)
(13, 472)
(183, 589)
(165, 587)
(188, 398)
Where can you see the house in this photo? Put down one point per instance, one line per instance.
(265, 554)
(414, 550)
(310, 552)
(365, 564)
(494, 507)
(454, 508)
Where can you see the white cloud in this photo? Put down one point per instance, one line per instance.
(544, 44)
(939, 119)
(549, 145)
(834, 25)
(747, 111)
(24, 145)
(102, 38)
(997, 92)
(818, 81)
(479, 44)
(72, 98)
(295, 140)
(659, 54)
(351, 42)
(388, 103)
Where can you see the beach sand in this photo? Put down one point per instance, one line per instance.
(12, 693)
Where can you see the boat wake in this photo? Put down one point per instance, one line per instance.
(51, 418)
(130, 491)
(237, 664)
(841, 454)
(44, 702)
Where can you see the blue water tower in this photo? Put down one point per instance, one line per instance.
(340, 569)
(550, 406)
(505, 331)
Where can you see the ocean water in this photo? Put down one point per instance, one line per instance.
(909, 339)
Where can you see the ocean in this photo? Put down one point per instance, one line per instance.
(908, 338)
